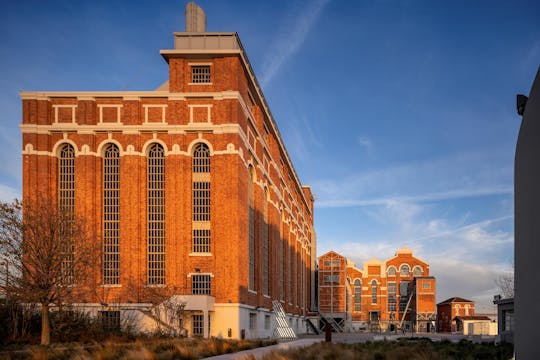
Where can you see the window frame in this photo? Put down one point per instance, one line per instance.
(202, 78)
(111, 215)
(201, 284)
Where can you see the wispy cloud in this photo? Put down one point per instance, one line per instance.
(294, 31)
(451, 177)
(8, 193)
(445, 195)
(366, 143)
(474, 228)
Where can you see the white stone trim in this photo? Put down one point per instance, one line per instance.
(58, 106)
(118, 112)
(208, 113)
(163, 110)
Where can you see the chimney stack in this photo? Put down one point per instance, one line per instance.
(195, 18)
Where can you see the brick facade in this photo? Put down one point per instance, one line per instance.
(362, 299)
(230, 115)
(448, 310)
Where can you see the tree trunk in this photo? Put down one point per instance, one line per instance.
(45, 326)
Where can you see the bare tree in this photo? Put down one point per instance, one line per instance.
(505, 282)
(48, 255)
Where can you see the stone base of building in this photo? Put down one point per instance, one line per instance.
(191, 316)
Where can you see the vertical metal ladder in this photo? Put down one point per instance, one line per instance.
(282, 329)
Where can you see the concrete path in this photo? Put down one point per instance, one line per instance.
(259, 352)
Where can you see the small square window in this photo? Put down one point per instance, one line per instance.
(110, 320)
(200, 74)
(200, 285)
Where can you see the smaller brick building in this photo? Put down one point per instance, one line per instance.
(448, 310)
(383, 295)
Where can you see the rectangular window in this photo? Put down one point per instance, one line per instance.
(252, 321)
(200, 74)
(289, 269)
(509, 320)
(110, 320)
(331, 278)
(200, 284)
(267, 322)
(332, 263)
(201, 201)
(403, 295)
(280, 261)
(198, 324)
(201, 241)
(392, 296)
(358, 298)
(426, 285)
(266, 229)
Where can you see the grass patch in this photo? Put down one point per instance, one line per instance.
(154, 349)
(404, 349)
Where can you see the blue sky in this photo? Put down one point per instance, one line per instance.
(400, 114)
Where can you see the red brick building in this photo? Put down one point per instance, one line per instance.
(449, 310)
(382, 295)
(189, 190)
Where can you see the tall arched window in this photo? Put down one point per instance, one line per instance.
(417, 271)
(374, 292)
(357, 295)
(404, 270)
(201, 199)
(265, 237)
(201, 183)
(280, 258)
(251, 221)
(111, 215)
(66, 205)
(391, 271)
(156, 215)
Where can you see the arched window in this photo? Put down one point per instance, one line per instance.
(357, 295)
(374, 292)
(417, 271)
(251, 230)
(156, 215)
(265, 242)
(66, 205)
(201, 183)
(404, 270)
(201, 158)
(391, 271)
(201, 199)
(111, 215)
(280, 257)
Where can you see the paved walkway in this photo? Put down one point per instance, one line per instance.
(259, 352)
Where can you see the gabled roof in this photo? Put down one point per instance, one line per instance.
(332, 252)
(455, 299)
